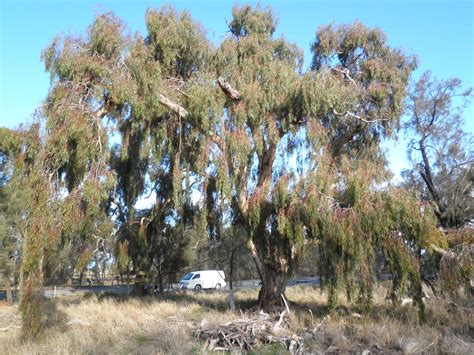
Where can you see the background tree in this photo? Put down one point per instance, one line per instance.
(230, 253)
(440, 150)
(14, 155)
(10, 238)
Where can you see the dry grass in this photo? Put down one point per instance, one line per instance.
(118, 326)
(164, 325)
(448, 328)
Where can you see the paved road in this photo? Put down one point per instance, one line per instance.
(310, 281)
(51, 292)
(64, 291)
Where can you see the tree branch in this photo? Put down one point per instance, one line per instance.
(345, 73)
(228, 90)
(347, 113)
(459, 165)
(438, 249)
(427, 174)
(100, 113)
(337, 145)
(180, 110)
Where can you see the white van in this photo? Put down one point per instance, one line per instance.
(205, 279)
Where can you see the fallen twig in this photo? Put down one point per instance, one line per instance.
(286, 303)
(6, 329)
(78, 322)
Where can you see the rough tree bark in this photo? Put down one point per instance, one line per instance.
(275, 278)
(231, 280)
(275, 265)
(160, 280)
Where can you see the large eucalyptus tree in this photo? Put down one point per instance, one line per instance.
(236, 134)
(297, 153)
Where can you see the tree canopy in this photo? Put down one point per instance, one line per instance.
(237, 134)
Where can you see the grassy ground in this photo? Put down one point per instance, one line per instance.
(165, 324)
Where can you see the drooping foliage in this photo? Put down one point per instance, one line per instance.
(456, 267)
(353, 221)
(62, 165)
(236, 137)
(159, 150)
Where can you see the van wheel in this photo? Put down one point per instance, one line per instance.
(197, 288)
(218, 286)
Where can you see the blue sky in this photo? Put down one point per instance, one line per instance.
(440, 33)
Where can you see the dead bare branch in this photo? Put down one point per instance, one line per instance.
(286, 303)
(180, 110)
(346, 74)
(229, 91)
(6, 329)
(353, 115)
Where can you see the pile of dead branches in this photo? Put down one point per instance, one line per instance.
(250, 333)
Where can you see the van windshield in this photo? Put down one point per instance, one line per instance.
(188, 276)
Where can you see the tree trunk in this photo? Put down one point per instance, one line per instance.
(96, 269)
(8, 287)
(21, 284)
(273, 285)
(160, 281)
(128, 280)
(275, 267)
(231, 300)
(103, 270)
(231, 269)
(231, 280)
(31, 304)
(427, 177)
